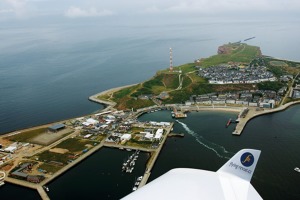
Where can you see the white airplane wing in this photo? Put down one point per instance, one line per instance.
(230, 182)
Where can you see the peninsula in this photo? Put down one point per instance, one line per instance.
(238, 79)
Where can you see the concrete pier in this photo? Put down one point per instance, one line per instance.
(39, 187)
(72, 164)
(153, 158)
(253, 112)
(34, 186)
(42, 193)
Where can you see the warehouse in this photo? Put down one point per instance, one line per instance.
(56, 127)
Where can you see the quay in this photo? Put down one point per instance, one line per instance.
(253, 112)
(40, 186)
(176, 135)
(243, 120)
(109, 104)
(153, 159)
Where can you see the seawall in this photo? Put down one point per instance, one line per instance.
(253, 113)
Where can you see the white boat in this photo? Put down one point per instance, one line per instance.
(140, 178)
(137, 183)
(297, 169)
(46, 188)
(134, 188)
(132, 163)
(1, 183)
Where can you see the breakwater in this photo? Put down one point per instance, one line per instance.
(253, 112)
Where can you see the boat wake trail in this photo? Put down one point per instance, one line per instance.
(218, 149)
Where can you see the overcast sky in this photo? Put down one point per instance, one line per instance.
(27, 9)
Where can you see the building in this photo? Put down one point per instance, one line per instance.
(158, 134)
(56, 127)
(126, 137)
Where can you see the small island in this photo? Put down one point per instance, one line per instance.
(238, 75)
(238, 79)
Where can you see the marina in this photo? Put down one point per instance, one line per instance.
(128, 165)
(2, 176)
(155, 172)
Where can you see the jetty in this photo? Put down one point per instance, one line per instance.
(176, 134)
(254, 112)
(153, 159)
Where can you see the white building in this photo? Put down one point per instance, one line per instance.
(92, 121)
(10, 149)
(158, 134)
(126, 137)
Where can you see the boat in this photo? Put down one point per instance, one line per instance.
(134, 188)
(46, 188)
(179, 115)
(132, 163)
(137, 183)
(1, 183)
(297, 169)
(130, 170)
(140, 178)
(228, 123)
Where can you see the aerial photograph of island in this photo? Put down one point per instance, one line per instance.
(183, 99)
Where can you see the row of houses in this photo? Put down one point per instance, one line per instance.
(265, 99)
(22, 173)
(148, 134)
(296, 92)
(225, 74)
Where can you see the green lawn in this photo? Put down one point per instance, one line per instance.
(49, 168)
(26, 136)
(48, 156)
(244, 54)
(74, 144)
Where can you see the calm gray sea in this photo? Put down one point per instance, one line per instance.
(47, 72)
(49, 69)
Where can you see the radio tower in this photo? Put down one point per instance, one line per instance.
(171, 63)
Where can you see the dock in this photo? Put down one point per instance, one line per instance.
(254, 112)
(153, 158)
(43, 194)
(176, 135)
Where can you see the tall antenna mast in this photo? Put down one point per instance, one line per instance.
(171, 63)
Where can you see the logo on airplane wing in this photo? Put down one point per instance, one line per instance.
(247, 159)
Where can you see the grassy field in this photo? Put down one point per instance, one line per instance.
(49, 168)
(277, 63)
(48, 156)
(139, 144)
(27, 135)
(136, 129)
(242, 54)
(74, 144)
